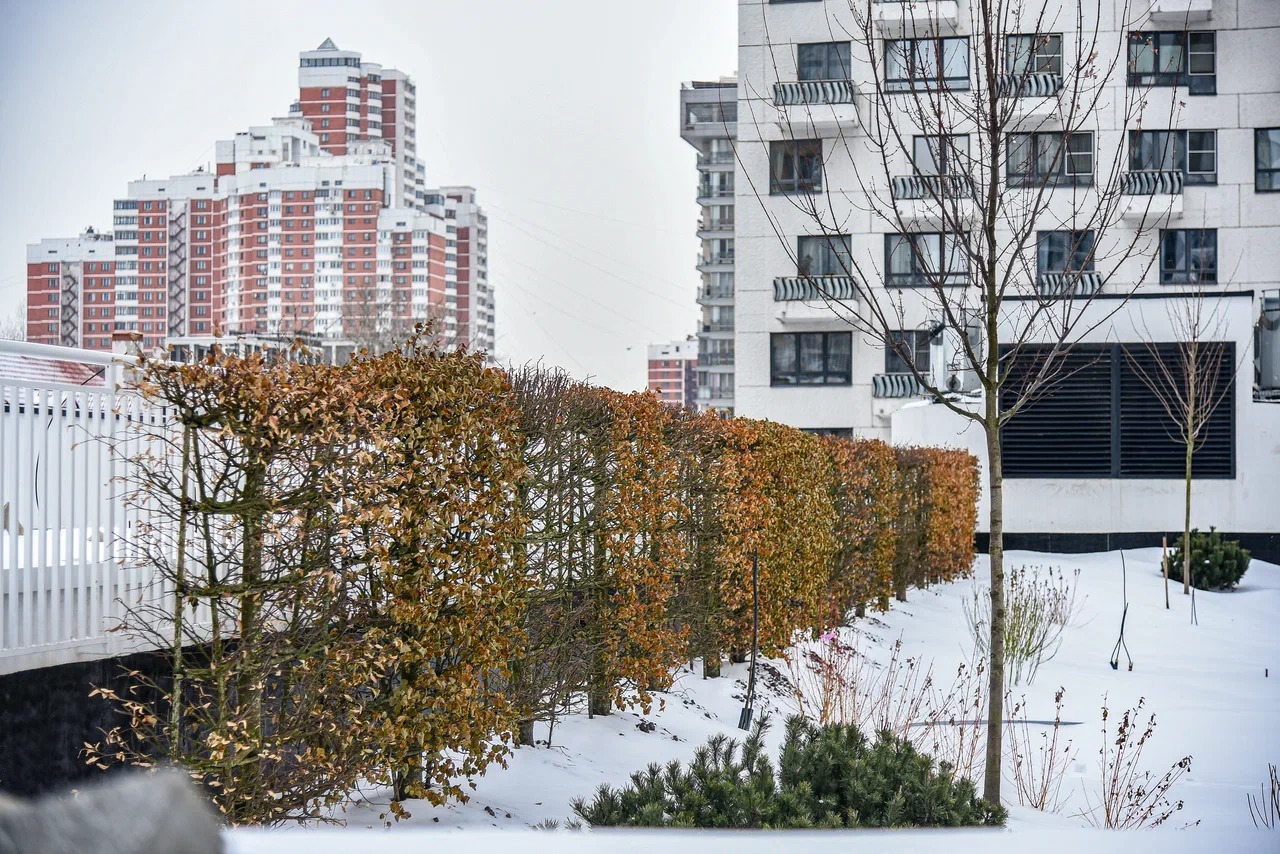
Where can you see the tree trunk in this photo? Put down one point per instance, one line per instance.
(1186, 525)
(995, 689)
(524, 733)
(711, 665)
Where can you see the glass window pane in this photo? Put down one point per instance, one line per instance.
(1267, 145)
(839, 356)
(811, 355)
(1201, 51)
(957, 255)
(1048, 153)
(1017, 54)
(783, 357)
(900, 256)
(1169, 46)
(1142, 56)
(1049, 54)
(1080, 154)
(897, 66)
(955, 58)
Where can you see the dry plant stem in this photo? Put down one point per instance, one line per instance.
(1038, 762)
(1132, 796)
(1265, 810)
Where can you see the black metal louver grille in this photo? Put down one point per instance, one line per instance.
(1065, 432)
(1099, 418)
(1150, 437)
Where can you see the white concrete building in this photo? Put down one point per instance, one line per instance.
(1196, 172)
(673, 371)
(708, 122)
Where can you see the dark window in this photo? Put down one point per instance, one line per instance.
(1188, 256)
(1194, 153)
(795, 166)
(1174, 59)
(914, 345)
(822, 61)
(926, 64)
(1266, 144)
(1099, 418)
(1064, 251)
(811, 358)
(719, 113)
(925, 260)
(824, 255)
(1036, 53)
(832, 432)
(1036, 159)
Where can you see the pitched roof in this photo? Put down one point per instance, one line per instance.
(327, 44)
(38, 370)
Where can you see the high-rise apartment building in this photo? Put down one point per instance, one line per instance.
(708, 122)
(317, 225)
(673, 373)
(1157, 195)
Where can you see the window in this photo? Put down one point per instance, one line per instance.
(1099, 419)
(925, 260)
(822, 61)
(795, 166)
(941, 155)
(1174, 59)
(1064, 251)
(823, 255)
(324, 108)
(926, 63)
(1036, 159)
(914, 345)
(1037, 53)
(1188, 256)
(811, 358)
(1266, 164)
(715, 113)
(1191, 152)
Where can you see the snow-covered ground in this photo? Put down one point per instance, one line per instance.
(1209, 685)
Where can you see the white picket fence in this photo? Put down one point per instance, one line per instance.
(68, 567)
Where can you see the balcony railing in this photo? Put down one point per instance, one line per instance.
(814, 92)
(1152, 183)
(932, 186)
(715, 192)
(716, 259)
(718, 326)
(1075, 284)
(1042, 85)
(715, 225)
(706, 158)
(896, 385)
(713, 292)
(793, 288)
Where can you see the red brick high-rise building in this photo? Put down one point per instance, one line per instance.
(317, 225)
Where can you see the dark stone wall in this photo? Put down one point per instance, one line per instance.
(1264, 546)
(47, 715)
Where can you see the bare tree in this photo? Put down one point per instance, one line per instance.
(14, 326)
(1191, 378)
(991, 166)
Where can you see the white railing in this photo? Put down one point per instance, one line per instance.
(69, 571)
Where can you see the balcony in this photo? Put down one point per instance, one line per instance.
(714, 195)
(1155, 194)
(816, 107)
(909, 18)
(821, 288)
(712, 294)
(889, 386)
(1181, 12)
(1035, 99)
(715, 228)
(1030, 85)
(1082, 283)
(713, 263)
(715, 160)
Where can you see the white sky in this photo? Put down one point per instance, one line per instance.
(563, 114)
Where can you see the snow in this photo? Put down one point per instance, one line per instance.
(1209, 685)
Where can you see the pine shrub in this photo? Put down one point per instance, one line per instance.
(1216, 564)
(827, 777)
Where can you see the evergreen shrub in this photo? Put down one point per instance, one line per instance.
(828, 776)
(1216, 564)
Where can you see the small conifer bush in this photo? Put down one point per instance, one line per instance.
(1216, 564)
(827, 777)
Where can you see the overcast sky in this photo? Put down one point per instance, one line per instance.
(563, 114)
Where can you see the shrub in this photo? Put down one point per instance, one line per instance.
(1132, 796)
(828, 776)
(1216, 564)
(1037, 609)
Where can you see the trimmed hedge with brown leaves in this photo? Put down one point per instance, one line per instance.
(412, 558)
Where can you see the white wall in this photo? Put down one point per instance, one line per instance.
(1250, 503)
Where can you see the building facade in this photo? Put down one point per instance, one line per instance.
(316, 226)
(1186, 127)
(673, 371)
(708, 122)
